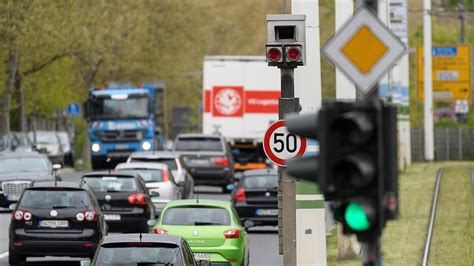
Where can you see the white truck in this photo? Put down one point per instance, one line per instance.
(240, 100)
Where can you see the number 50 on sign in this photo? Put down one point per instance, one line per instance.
(279, 145)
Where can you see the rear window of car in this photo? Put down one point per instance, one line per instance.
(148, 175)
(257, 182)
(23, 164)
(111, 184)
(170, 162)
(143, 254)
(196, 216)
(199, 144)
(55, 199)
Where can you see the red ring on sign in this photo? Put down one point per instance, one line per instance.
(266, 144)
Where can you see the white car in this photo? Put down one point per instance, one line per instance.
(175, 164)
(157, 178)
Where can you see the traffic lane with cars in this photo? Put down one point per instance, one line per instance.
(263, 241)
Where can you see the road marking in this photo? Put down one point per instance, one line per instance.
(309, 197)
(3, 255)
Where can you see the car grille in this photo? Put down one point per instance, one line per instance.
(120, 135)
(14, 188)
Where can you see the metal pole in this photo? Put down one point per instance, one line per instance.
(428, 83)
(461, 17)
(371, 254)
(460, 143)
(287, 189)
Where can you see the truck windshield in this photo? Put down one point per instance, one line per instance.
(107, 108)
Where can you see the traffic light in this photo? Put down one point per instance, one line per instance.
(357, 164)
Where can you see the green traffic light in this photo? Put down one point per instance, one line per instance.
(356, 217)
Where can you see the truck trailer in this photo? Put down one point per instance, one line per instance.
(240, 101)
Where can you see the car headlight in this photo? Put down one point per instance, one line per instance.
(146, 146)
(95, 147)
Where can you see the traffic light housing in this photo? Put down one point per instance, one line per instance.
(286, 38)
(357, 166)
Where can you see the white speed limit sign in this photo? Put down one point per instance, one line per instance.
(279, 145)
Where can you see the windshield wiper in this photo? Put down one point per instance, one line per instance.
(113, 190)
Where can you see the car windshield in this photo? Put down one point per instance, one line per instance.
(45, 138)
(196, 216)
(259, 182)
(139, 255)
(23, 164)
(55, 199)
(170, 162)
(134, 107)
(199, 144)
(149, 175)
(111, 184)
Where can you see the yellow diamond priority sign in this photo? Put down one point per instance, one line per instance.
(364, 49)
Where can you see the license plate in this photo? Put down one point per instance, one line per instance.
(202, 256)
(53, 223)
(267, 212)
(118, 154)
(199, 162)
(121, 146)
(112, 217)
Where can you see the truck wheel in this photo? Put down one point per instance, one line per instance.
(14, 258)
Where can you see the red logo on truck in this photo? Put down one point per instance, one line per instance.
(228, 101)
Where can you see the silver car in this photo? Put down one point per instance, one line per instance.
(174, 162)
(48, 142)
(157, 178)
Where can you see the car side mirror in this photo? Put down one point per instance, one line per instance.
(248, 224)
(85, 262)
(12, 207)
(238, 175)
(151, 223)
(155, 194)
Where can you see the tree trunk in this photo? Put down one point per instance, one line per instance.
(21, 104)
(12, 67)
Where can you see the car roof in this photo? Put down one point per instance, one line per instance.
(142, 165)
(10, 154)
(112, 173)
(260, 172)
(155, 154)
(154, 238)
(195, 135)
(203, 202)
(64, 184)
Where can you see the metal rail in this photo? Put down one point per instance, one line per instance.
(434, 204)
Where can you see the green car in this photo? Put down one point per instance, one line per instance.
(211, 227)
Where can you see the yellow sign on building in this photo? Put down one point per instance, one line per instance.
(451, 73)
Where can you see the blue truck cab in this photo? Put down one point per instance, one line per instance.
(122, 119)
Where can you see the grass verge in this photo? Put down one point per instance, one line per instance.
(403, 240)
(453, 237)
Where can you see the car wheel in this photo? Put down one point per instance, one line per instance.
(14, 258)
